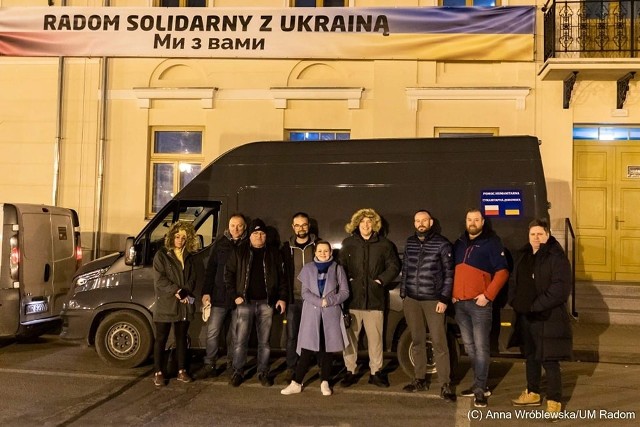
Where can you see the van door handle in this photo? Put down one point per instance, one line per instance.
(618, 221)
(47, 272)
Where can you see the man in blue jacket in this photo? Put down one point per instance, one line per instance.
(427, 280)
(481, 270)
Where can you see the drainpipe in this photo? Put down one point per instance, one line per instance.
(101, 153)
(57, 146)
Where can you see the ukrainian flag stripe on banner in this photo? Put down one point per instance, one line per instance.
(466, 20)
(426, 33)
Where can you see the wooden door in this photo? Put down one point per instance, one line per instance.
(607, 210)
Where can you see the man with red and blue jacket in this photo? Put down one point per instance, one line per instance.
(481, 270)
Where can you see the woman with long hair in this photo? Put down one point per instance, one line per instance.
(174, 283)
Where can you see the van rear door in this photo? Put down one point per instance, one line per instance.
(48, 251)
(64, 256)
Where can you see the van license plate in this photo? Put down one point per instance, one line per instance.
(36, 307)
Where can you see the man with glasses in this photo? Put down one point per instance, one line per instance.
(296, 252)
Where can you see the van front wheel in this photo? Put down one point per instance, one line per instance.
(124, 339)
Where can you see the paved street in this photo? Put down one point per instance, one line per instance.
(53, 383)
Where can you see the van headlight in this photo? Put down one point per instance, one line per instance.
(88, 281)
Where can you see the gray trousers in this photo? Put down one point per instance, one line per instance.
(372, 320)
(416, 313)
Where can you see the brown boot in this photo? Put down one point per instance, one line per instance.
(527, 399)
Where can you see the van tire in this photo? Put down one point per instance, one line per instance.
(124, 339)
(405, 357)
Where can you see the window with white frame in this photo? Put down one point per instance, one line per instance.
(469, 3)
(464, 132)
(176, 158)
(181, 3)
(318, 135)
(319, 3)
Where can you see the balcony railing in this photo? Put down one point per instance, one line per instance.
(591, 29)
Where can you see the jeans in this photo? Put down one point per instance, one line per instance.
(416, 313)
(475, 327)
(244, 316)
(294, 313)
(214, 328)
(534, 365)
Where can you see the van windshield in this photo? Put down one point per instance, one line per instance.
(203, 215)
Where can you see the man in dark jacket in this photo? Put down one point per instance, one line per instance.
(427, 280)
(296, 252)
(215, 295)
(481, 270)
(255, 277)
(538, 295)
(371, 262)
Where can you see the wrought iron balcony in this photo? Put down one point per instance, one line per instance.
(591, 29)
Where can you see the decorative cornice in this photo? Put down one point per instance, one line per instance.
(352, 95)
(517, 94)
(146, 95)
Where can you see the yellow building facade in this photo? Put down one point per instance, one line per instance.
(80, 132)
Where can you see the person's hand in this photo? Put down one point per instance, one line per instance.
(324, 302)
(441, 307)
(184, 301)
(281, 306)
(378, 281)
(239, 300)
(206, 299)
(481, 300)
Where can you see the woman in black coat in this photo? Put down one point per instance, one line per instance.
(174, 282)
(542, 284)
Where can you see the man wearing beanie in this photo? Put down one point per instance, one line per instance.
(255, 277)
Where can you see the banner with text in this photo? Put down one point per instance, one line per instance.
(431, 33)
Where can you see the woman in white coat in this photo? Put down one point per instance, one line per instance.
(322, 331)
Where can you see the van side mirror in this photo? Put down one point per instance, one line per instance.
(130, 252)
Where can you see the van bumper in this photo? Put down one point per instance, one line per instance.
(76, 324)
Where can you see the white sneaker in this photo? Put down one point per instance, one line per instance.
(292, 388)
(324, 387)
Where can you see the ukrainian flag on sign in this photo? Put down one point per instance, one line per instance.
(462, 33)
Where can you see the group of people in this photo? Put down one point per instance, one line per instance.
(247, 280)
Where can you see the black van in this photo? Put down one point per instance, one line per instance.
(110, 302)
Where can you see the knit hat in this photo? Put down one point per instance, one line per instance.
(257, 225)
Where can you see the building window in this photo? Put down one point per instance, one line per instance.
(176, 158)
(606, 133)
(181, 3)
(319, 3)
(469, 3)
(464, 132)
(318, 135)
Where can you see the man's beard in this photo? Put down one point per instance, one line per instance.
(473, 230)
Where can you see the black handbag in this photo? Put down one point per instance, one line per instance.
(346, 317)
